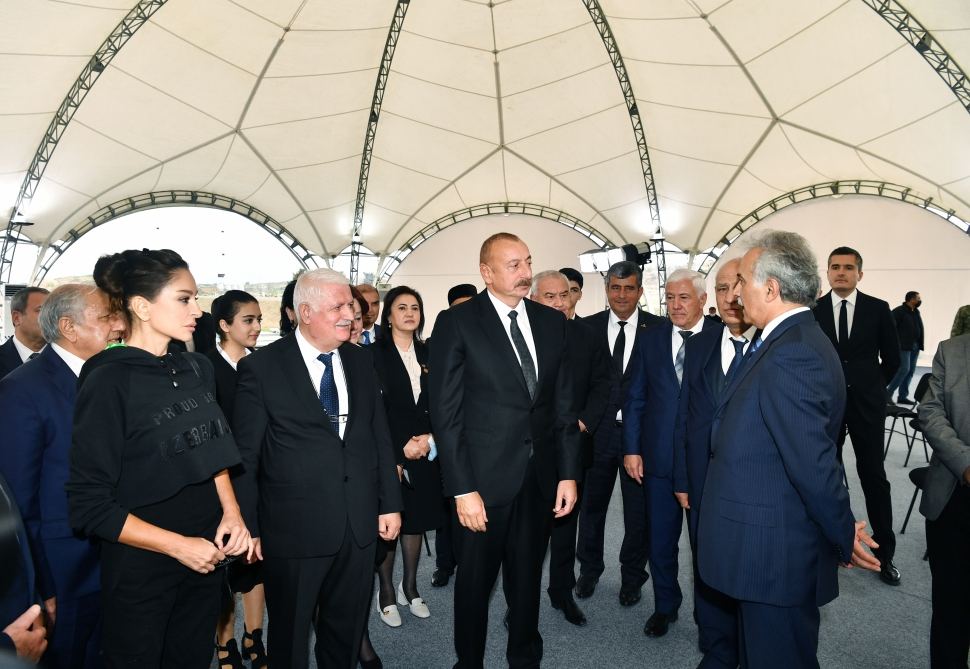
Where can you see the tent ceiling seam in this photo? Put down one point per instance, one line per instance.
(352, 156)
(302, 120)
(437, 84)
(314, 75)
(909, 123)
(115, 140)
(594, 164)
(559, 126)
(172, 96)
(544, 37)
(553, 82)
(798, 153)
(331, 207)
(798, 32)
(719, 112)
(256, 14)
(192, 44)
(438, 127)
(444, 41)
(225, 158)
(762, 181)
(670, 63)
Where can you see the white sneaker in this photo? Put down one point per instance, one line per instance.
(417, 606)
(390, 616)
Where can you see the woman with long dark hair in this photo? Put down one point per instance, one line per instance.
(238, 321)
(401, 361)
(287, 310)
(149, 471)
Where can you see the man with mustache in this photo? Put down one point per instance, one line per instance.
(503, 417)
(319, 481)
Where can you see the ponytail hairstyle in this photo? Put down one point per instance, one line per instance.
(134, 273)
(286, 325)
(226, 306)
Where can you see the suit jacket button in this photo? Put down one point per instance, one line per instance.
(712, 456)
(346, 478)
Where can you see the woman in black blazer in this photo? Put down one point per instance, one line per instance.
(238, 320)
(401, 361)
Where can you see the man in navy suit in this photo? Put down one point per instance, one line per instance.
(37, 410)
(372, 331)
(616, 329)
(775, 521)
(709, 361)
(27, 340)
(649, 417)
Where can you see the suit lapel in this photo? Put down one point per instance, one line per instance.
(61, 376)
(825, 317)
(295, 370)
(498, 338)
(347, 362)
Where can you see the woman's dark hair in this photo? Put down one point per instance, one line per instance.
(226, 306)
(392, 295)
(286, 325)
(361, 300)
(132, 273)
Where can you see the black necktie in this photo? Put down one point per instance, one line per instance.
(619, 347)
(844, 324)
(738, 354)
(32, 356)
(525, 358)
(329, 399)
(679, 361)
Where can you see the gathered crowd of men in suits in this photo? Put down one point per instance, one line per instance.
(733, 421)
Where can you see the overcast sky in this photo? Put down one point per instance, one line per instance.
(213, 242)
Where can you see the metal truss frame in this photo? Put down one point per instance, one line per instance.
(393, 34)
(922, 40)
(609, 42)
(815, 191)
(176, 198)
(97, 64)
(392, 261)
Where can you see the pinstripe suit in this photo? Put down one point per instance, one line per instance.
(775, 520)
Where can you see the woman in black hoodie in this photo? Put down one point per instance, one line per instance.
(149, 474)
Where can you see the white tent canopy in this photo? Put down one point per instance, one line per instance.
(269, 104)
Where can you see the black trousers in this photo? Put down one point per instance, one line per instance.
(778, 636)
(562, 551)
(76, 642)
(515, 542)
(867, 431)
(340, 585)
(600, 479)
(948, 542)
(156, 612)
(444, 551)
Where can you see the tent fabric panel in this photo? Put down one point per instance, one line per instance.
(439, 56)
(837, 160)
(343, 15)
(722, 138)
(291, 99)
(524, 183)
(484, 184)
(240, 174)
(305, 54)
(273, 199)
(56, 28)
(426, 149)
(717, 89)
(195, 169)
(324, 186)
(214, 86)
(18, 137)
(461, 23)
(333, 226)
(528, 21)
(445, 108)
(688, 41)
(379, 226)
(398, 188)
(609, 184)
(538, 65)
(694, 182)
(777, 164)
(36, 84)
(288, 146)
(278, 12)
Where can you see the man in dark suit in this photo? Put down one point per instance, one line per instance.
(372, 331)
(591, 377)
(775, 521)
(861, 330)
(616, 329)
(575, 279)
(649, 417)
(504, 421)
(37, 411)
(27, 340)
(319, 467)
(909, 329)
(710, 358)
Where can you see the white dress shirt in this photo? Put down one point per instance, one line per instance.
(727, 348)
(837, 309)
(225, 356)
(629, 334)
(71, 360)
(24, 352)
(773, 323)
(523, 320)
(315, 368)
(676, 341)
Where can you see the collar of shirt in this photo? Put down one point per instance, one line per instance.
(225, 356)
(71, 360)
(502, 309)
(676, 341)
(315, 368)
(727, 348)
(774, 322)
(837, 301)
(633, 320)
(24, 351)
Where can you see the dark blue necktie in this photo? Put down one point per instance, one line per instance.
(366, 338)
(328, 391)
(738, 355)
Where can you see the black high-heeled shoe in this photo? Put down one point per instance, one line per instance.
(256, 653)
(233, 659)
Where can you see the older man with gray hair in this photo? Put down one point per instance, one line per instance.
(649, 418)
(37, 411)
(320, 482)
(775, 521)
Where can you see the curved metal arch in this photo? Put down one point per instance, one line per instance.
(609, 42)
(815, 191)
(375, 114)
(922, 40)
(116, 39)
(177, 198)
(392, 261)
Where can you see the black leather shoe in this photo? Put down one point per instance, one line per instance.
(586, 586)
(658, 623)
(889, 574)
(902, 400)
(440, 577)
(570, 609)
(629, 595)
